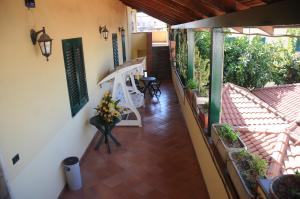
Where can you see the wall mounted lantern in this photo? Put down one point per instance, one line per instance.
(104, 31)
(45, 42)
(121, 30)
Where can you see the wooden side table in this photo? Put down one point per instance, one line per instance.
(105, 130)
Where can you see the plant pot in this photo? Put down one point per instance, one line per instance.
(220, 144)
(203, 119)
(196, 99)
(236, 178)
(285, 186)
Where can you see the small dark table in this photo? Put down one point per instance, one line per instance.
(147, 82)
(106, 132)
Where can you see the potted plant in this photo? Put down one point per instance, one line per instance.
(191, 86)
(203, 114)
(286, 186)
(226, 139)
(244, 169)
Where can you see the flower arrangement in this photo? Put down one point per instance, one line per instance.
(108, 109)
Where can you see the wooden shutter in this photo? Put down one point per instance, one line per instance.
(115, 49)
(75, 73)
(123, 46)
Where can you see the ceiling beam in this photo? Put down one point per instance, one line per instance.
(187, 8)
(160, 9)
(229, 5)
(199, 6)
(267, 29)
(284, 12)
(238, 29)
(153, 13)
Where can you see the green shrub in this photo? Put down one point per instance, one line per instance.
(226, 132)
(191, 84)
(250, 167)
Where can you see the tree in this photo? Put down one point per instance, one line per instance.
(247, 62)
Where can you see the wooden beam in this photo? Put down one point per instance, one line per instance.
(188, 8)
(183, 9)
(267, 29)
(152, 13)
(160, 9)
(229, 5)
(216, 76)
(285, 12)
(238, 29)
(199, 6)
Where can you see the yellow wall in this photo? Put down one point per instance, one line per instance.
(160, 37)
(213, 181)
(36, 120)
(138, 44)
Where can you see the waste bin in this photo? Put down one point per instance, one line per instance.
(72, 171)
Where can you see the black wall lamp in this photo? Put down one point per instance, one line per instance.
(121, 30)
(104, 31)
(45, 42)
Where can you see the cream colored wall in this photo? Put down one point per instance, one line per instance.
(138, 44)
(160, 37)
(213, 181)
(36, 120)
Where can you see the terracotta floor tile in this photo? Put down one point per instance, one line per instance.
(143, 189)
(156, 161)
(113, 181)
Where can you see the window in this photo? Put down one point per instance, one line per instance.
(115, 49)
(75, 73)
(123, 46)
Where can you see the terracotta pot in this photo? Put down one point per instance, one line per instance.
(204, 119)
(277, 182)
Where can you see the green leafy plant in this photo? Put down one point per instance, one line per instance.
(191, 84)
(250, 167)
(226, 132)
(202, 62)
(297, 173)
(258, 165)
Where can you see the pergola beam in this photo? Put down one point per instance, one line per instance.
(151, 12)
(280, 13)
(163, 9)
(189, 8)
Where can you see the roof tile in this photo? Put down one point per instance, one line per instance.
(262, 117)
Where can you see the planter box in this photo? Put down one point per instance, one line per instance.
(190, 94)
(237, 179)
(220, 145)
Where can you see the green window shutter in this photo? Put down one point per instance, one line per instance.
(123, 46)
(75, 73)
(115, 49)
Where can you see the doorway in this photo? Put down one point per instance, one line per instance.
(4, 192)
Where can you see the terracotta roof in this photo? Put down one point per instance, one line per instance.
(284, 98)
(264, 129)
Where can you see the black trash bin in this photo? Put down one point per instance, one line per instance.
(72, 171)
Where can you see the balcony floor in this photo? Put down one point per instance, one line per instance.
(155, 161)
